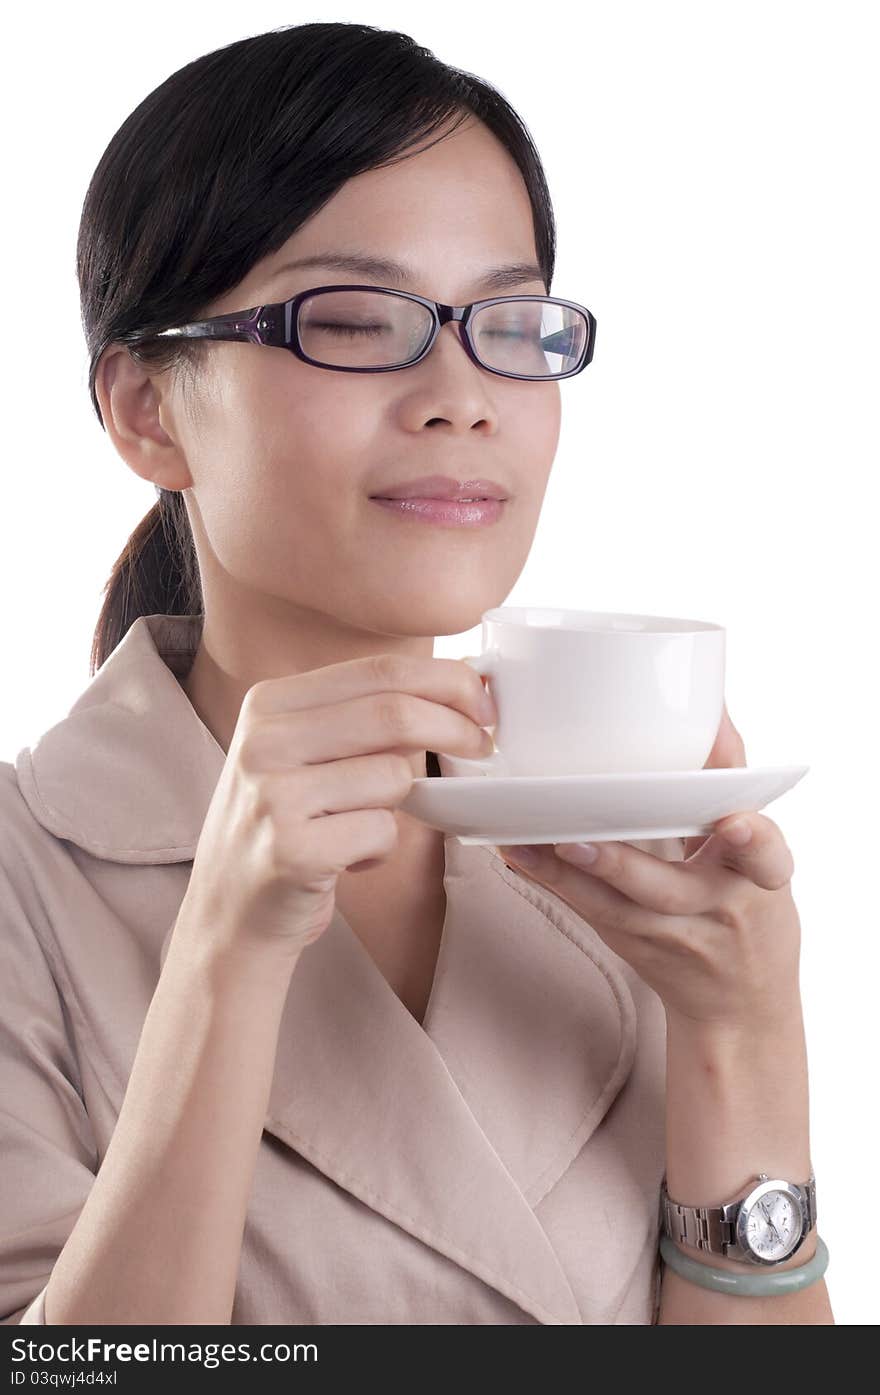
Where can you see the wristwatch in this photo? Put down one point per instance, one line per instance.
(766, 1226)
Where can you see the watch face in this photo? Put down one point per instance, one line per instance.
(773, 1225)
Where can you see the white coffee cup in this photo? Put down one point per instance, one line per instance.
(581, 692)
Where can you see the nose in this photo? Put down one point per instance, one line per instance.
(457, 330)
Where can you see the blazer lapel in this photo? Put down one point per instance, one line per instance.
(456, 1129)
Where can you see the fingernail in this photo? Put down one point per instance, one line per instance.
(581, 854)
(739, 832)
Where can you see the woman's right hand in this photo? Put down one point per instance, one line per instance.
(316, 765)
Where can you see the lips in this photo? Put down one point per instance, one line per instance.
(442, 487)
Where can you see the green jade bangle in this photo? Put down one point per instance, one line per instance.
(747, 1285)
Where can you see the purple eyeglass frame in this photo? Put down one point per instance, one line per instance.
(276, 326)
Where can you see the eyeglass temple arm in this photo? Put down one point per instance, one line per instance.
(261, 324)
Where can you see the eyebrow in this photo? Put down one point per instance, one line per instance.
(399, 274)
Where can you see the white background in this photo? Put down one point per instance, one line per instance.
(713, 168)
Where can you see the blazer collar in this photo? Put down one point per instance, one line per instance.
(453, 1129)
(128, 774)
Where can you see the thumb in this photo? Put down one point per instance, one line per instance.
(727, 752)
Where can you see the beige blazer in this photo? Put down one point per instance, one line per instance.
(499, 1163)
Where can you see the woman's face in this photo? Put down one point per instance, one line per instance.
(279, 458)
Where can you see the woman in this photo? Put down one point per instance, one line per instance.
(333, 1066)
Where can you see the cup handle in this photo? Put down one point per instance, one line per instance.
(486, 666)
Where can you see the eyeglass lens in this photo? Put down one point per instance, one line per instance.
(363, 329)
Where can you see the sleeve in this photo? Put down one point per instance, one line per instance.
(48, 1155)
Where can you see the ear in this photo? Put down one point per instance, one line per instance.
(131, 399)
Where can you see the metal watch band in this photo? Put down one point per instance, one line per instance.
(713, 1228)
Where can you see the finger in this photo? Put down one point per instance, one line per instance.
(628, 888)
(445, 681)
(762, 855)
(728, 749)
(727, 752)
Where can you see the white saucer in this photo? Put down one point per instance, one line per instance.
(488, 809)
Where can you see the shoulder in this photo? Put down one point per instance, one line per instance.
(31, 860)
(22, 837)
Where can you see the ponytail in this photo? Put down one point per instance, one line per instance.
(155, 574)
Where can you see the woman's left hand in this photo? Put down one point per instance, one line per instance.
(716, 936)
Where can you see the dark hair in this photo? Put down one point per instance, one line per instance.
(216, 169)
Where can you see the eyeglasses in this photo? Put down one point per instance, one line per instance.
(367, 329)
